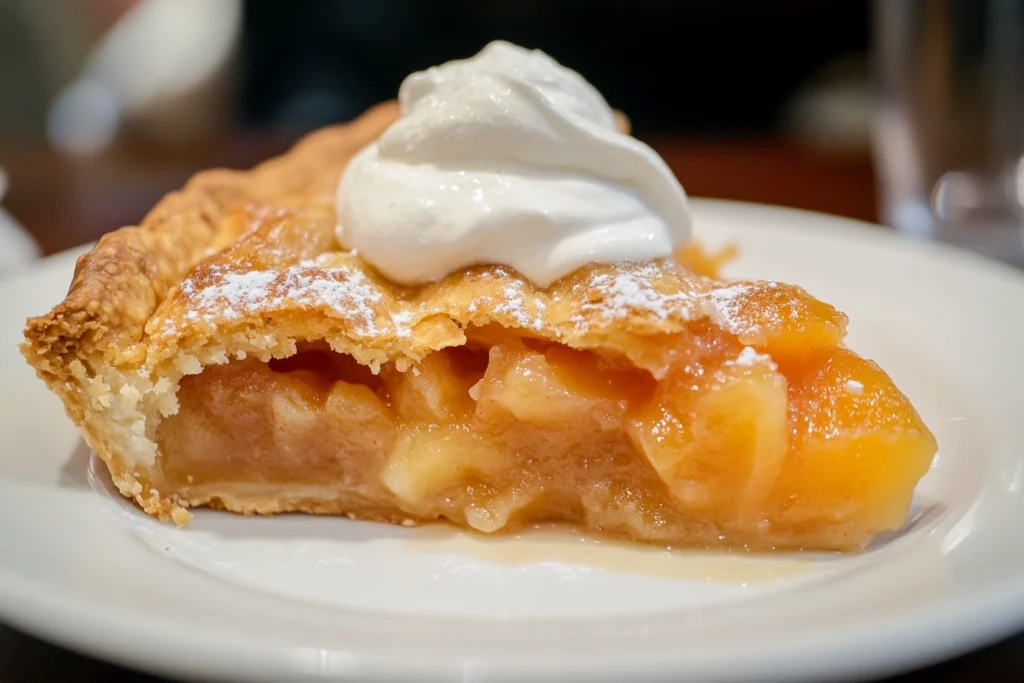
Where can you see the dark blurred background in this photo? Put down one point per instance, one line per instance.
(107, 104)
(701, 66)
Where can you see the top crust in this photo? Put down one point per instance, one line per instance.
(245, 263)
(119, 284)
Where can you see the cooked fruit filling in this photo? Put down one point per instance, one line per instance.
(727, 449)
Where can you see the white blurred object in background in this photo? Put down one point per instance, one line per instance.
(16, 247)
(162, 69)
(834, 110)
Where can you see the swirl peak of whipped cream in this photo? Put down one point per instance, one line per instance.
(506, 157)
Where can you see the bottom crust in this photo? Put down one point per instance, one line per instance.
(270, 499)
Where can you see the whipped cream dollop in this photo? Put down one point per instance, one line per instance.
(506, 157)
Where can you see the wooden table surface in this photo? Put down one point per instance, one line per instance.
(64, 203)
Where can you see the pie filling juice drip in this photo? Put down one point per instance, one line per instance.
(727, 450)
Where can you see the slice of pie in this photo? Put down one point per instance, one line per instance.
(227, 353)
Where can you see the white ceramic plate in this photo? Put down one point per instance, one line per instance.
(301, 598)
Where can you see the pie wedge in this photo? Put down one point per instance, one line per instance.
(227, 353)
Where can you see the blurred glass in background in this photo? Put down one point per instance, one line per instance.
(949, 140)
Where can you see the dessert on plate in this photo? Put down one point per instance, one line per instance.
(479, 304)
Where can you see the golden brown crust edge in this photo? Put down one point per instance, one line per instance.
(119, 283)
(86, 349)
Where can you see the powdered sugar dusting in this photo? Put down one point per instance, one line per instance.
(219, 294)
(345, 291)
(620, 295)
(854, 387)
(239, 291)
(351, 294)
(401, 322)
(515, 306)
(749, 357)
(727, 304)
(727, 300)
